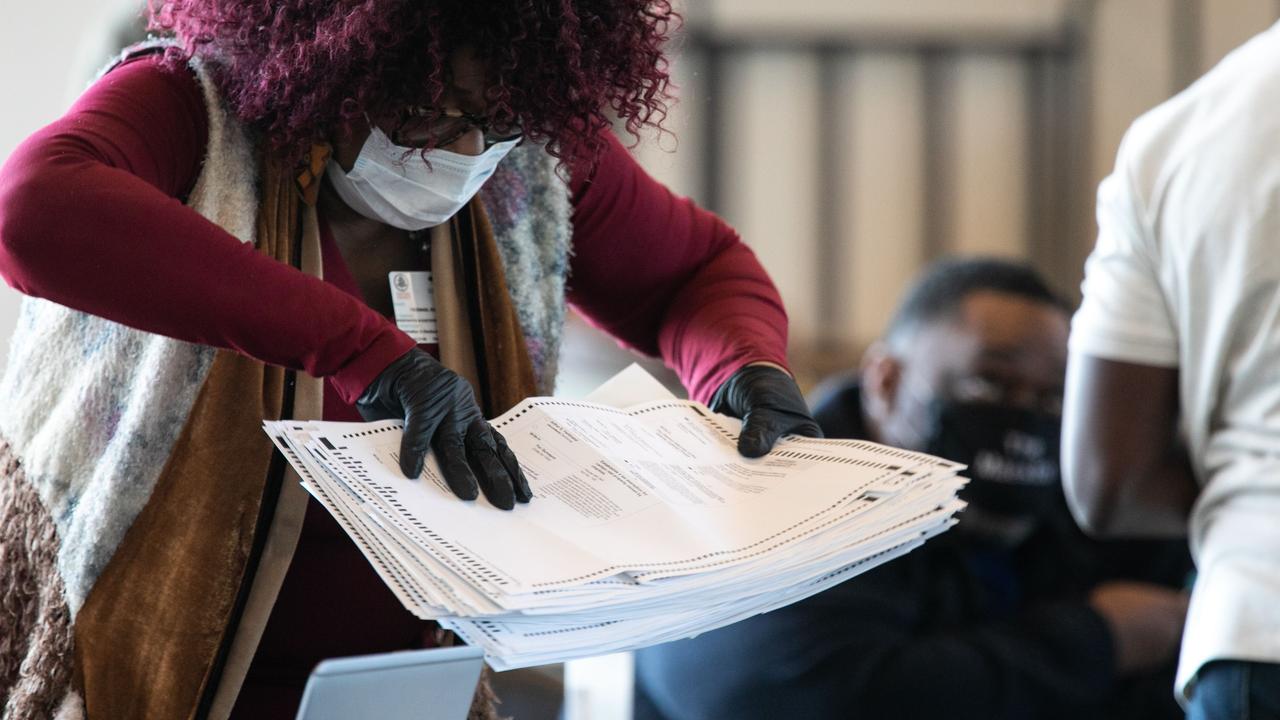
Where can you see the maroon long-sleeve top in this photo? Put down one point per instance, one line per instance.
(91, 217)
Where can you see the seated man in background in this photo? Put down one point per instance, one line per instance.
(1013, 613)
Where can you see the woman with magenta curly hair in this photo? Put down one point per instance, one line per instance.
(307, 209)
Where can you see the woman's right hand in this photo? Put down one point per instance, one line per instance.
(440, 413)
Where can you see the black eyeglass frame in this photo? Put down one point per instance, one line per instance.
(491, 135)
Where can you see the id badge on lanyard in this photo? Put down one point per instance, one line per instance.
(415, 305)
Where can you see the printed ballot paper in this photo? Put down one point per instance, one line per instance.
(646, 525)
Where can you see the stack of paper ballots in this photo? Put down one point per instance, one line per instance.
(646, 525)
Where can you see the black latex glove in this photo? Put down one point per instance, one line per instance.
(440, 413)
(769, 404)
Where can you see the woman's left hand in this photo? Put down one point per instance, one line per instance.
(770, 405)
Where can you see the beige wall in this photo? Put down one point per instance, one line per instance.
(949, 138)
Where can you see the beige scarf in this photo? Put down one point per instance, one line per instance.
(173, 621)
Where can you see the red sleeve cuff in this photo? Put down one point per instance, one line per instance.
(706, 386)
(712, 376)
(727, 316)
(351, 379)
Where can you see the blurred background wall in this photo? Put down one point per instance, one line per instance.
(849, 141)
(852, 141)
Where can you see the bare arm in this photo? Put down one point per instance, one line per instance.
(1125, 470)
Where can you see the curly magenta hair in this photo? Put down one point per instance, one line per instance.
(300, 71)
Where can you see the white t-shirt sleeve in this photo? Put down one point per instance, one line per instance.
(1124, 315)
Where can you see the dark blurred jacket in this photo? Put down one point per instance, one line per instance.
(955, 629)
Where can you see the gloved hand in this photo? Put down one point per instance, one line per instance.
(769, 404)
(440, 412)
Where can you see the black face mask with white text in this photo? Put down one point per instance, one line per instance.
(1012, 454)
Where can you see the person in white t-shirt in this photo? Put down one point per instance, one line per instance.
(1172, 418)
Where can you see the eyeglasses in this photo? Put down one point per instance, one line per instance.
(413, 130)
(978, 389)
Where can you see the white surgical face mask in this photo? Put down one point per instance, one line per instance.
(395, 185)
